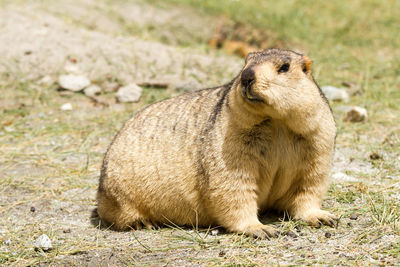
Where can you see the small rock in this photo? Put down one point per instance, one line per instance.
(291, 234)
(222, 253)
(43, 242)
(335, 94)
(328, 235)
(33, 209)
(7, 242)
(356, 114)
(353, 216)
(66, 107)
(67, 231)
(92, 90)
(374, 156)
(349, 224)
(129, 93)
(73, 82)
(214, 232)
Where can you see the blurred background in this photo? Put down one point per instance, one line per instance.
(72, 71)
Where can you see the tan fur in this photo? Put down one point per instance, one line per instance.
(219, 157)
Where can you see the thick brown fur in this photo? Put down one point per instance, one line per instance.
(223, 155)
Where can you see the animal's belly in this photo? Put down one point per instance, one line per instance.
(276, 187)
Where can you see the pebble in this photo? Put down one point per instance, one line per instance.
(43, 242)
(374, 156)
(356, 114)
(66, 107)
(73, 82)
(7, 242)
(328, 235)
(353, 216)
(92, 90)
(214, 232)
(335, 94)
(67, 231)
(129, 93)
(291, 234)
(33, 209)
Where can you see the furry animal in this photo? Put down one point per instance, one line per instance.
(223, 155)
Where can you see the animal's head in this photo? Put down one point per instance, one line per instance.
(278, 83)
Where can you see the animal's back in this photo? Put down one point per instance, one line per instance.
(153, 161)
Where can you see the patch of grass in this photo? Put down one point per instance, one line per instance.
(383, 211)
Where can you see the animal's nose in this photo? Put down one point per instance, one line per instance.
(248, 77)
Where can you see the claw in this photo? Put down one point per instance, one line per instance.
(261, 232)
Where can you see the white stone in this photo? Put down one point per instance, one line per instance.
(43, 242)
(66, 106)
(335, 94)
(73, 82)
(129, 93)
(214, 232)
(356, 114)
(92, 90)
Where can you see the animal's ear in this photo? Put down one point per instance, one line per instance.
(307, 64)
(249, 56)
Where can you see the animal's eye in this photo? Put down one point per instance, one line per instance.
(284, 68)
(305, 69)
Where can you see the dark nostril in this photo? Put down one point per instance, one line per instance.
(248, 77)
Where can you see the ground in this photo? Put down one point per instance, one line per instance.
(50, 158)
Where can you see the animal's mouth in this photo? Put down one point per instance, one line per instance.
(249, 94)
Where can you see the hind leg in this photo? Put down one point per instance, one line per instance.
(121, 215)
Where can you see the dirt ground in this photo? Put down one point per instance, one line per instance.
(50, 158)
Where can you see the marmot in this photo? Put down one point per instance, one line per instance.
(223, 155)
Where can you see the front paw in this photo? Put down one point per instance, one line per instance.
(317, 217)
(260, 231)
